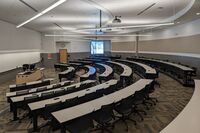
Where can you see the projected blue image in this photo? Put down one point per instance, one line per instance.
(97, 47)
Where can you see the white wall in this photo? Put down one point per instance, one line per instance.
(18, 46)
(107, 46)
(73, 46)
(182, 30)
(12, 38)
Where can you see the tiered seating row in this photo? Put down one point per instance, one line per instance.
(179, 72)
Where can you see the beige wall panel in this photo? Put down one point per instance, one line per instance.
(123, 46)
(190, 44)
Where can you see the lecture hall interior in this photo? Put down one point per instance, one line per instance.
(99, 66)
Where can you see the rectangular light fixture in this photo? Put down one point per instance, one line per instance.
(131, 26)
(88, 35)
(42, 13)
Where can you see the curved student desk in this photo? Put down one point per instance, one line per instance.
(142, 69)
(18, 101)
(179, 72)
(101, 58)
(126, 74)
(30, 85)
(65, 115)
(75, 65)
(90, 74)
(69, 73)
(107, 72)
(81, 62)
(36, 107)
(61, 66)
(92, 60)
(189, 119)
(29, 91)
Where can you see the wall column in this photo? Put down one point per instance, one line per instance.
(136, 45)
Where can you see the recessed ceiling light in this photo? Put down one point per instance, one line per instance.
(198, 13)
(42, 13)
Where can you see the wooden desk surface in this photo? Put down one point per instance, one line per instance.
(30, 76)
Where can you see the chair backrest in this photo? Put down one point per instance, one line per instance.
(51, 108)
(21, 85)
(31, 97)
(71, 89)
(25, 67)
(22, 92)
(56, 85)
(32, 66)
(138, 96)
(41, 88)
(57, 92)
(106, 110)
(66, 83)
(88, 97)
(71, 102)
(80, 125)
(46, 94)
(125, 103)
(110, 89)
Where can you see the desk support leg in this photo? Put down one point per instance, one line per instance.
(35, 122)
(62, 129)
(14, 108)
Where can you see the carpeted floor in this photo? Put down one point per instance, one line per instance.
(172, 97)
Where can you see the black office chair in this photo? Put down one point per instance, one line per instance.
(28, 99)
(22, 92)
(45, 95)
(20, 87)
(89, 97)
(70, 102)
(119, 85)
(25, 67)
(137, 99)
(59, 92)
(51, 108)
(32, 66)
(41, 89)
(71, 89)
(105, 118)
(150, 89)
(66, 83)
(31, 98)
(56, 85)
(110, 89)
(125, 109)
(46, 115)
(80, 125)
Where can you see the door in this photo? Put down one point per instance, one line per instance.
(63, 55)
